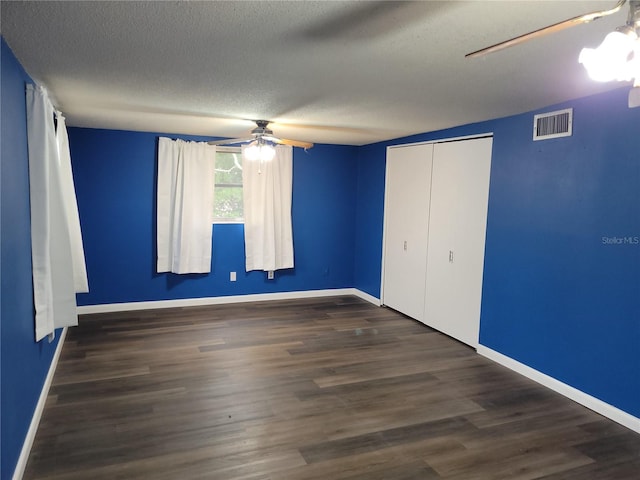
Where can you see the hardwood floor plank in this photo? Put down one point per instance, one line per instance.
(381, 439)
(313, 389)
(408, 471)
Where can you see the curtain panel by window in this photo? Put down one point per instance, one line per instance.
(185, 206)
(267, 188)
(56, 244)
(68, 188)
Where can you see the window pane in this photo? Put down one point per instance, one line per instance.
(227, 204)
(228, 168)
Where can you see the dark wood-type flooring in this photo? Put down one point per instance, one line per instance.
(329, 388)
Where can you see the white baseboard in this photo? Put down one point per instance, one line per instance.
(194, 302)
(37, 413)
(604, 409)
(366, 297)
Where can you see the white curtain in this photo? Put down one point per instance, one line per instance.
(267, 188)
(185, 206)
(80, 280)
(54, 220)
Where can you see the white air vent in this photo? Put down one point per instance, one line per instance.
(553, 124)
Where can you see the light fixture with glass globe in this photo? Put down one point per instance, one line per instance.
(617, 58)
(261, 150)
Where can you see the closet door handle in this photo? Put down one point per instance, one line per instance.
(405, 246)
(450, 256)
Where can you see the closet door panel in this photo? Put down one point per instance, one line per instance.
(455, 262)
(406, 221)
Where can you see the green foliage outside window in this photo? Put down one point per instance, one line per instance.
(227, 205)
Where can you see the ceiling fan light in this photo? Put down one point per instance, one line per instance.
(267, 152)
(259, 150)
(610, 60)
(252, 151)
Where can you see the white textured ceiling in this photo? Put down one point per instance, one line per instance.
(329, 72)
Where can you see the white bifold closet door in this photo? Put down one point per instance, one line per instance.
(457, 228)
(406, 228)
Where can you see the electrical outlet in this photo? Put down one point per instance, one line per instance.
(270, 275)
(232, 276)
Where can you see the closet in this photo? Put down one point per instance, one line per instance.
(407, 196)
(436, 198)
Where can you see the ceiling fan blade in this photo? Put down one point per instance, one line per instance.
(556, 27)
(231, 141)
(262, 132)
(293, 143)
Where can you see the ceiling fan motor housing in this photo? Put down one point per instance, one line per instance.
(261, 129)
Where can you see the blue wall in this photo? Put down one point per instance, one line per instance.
(24, 363)
(115, 175)
(556, 296)
(369, 218)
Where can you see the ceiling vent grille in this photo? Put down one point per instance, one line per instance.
(553, 124)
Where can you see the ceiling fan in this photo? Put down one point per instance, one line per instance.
(263, 135)
(634, 18)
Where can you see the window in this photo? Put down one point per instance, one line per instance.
(227, 202)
